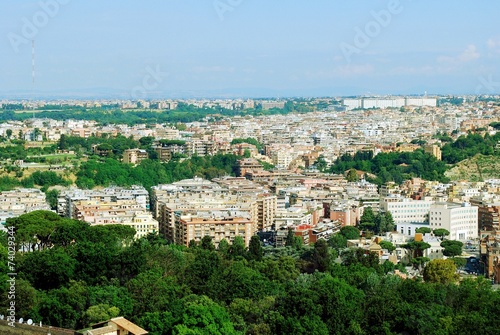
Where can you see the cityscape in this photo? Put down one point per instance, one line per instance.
(215, 184)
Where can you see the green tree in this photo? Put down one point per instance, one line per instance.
(321, 257)
(289, 238)
(251, 314)
(112, 295)
(440, 232)
(62, 144)
(389, 222)
(388, 246)
(206, 243)
(346, 299)
(350, 232)
(423, 230)
(223, 247)
(99, 313)
(440, 271)
(255, 249)
(380, 224)
(205, 317)
(48, 269)
(416, 248)
(237, 248)
(359, 256)
(35, 228)
(51, 197)
(69, 231)
(452, 248)
(338, 241)
(352, 175)
(297, 242)
(367, 221)
(321, 163)
(153, 292)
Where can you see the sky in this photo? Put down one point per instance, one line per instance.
(248, 48)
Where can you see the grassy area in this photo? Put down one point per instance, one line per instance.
(61, 156)
(477, 168)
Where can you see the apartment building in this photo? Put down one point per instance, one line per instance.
(165, 151)
(67, 198)
(272, 104)
(20, 201)
(434, 150)
(124, 212)
(134, 156)
(490, 255)
(460, 219)
(266, 211)
(218, 225)
(184, 203)
(407, 210)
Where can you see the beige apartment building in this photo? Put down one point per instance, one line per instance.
(134, 156)
(213, 224)
(434, 150)
(125, 212)
(202, 196)
(20, 201)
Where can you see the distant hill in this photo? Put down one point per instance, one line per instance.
(477, 168)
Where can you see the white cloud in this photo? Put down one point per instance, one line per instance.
(494, 45)
(468, 55)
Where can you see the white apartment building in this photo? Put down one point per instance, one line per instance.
(68, 197)
(20, 201)
(394, 102)
(123, 212)
(281, 159)
(407, 210)
(461, 220)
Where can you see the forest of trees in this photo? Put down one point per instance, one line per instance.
(468, 146)
(77, 275)
(107, 171)
(393, 166)
(114, 115)
(400, 166)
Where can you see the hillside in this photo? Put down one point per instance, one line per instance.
(477, 168)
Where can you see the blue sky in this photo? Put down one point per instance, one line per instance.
(250, 47)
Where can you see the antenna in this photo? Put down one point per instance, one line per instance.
(33, 73)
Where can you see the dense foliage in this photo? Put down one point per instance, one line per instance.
(393, 166)
(82, 274)
(114, 115)
(149, 173)
(469, 146)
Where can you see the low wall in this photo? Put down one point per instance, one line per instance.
(24, 329)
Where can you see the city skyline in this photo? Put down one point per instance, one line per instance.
(244, 48)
